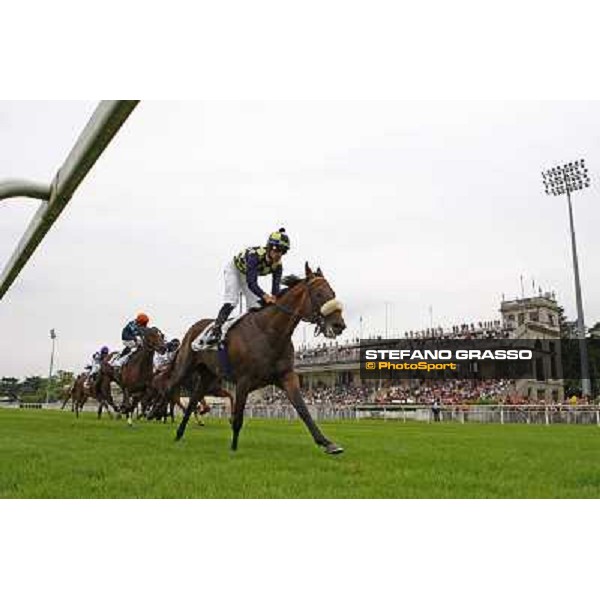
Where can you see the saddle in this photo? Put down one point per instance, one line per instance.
(117, 362)
(201, 342)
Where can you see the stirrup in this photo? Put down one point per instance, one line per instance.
(214, 339)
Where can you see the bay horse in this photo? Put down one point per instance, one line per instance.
(66, 394)
(85, 387)
(80, 392)
(260, 352)
(69, 396)
(135, 376)
(160, 401)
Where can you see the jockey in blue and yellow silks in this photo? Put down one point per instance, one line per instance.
(241, 275)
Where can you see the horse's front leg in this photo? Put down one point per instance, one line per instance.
(290, 384)
(127, 406)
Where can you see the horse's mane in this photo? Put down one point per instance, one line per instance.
(146, 329)
(290, 281)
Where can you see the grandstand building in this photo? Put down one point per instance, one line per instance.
(535, 318)
(538, 318)
(330, 366)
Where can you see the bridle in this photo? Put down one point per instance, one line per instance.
(318, 314)
(148, 345)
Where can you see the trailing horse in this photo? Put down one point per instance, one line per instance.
(80, 392)
(135, 376)
(260, 352)
(160, 401)
(66, 394)
(87, 387)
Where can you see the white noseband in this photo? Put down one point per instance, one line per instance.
(331, 306)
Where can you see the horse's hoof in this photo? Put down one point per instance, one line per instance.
(332, 448)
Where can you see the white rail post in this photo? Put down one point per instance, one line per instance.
(107, 119)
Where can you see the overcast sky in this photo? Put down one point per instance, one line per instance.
(409, 204)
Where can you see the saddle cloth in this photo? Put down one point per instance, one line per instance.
(117, 362)
(200, 343)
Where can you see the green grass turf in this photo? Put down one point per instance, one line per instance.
(48, 454)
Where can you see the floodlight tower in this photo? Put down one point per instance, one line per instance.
(53, 338)
(561, 180)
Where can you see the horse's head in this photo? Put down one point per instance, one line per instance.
(154, 339)
(324, 309)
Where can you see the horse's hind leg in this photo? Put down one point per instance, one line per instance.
(198, 390)
(237, 419)
(226, 394)
(200, 410)
(172, 402)
(107, 409)
(139, 408)
(127, 406)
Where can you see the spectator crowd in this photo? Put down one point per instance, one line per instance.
(412, 392)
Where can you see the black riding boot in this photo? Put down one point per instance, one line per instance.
(215, 336)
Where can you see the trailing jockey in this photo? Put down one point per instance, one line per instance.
(131, 337)
(162, 361)
(241, 275)
(97, 359)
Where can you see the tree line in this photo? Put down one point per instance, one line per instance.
(35, 388)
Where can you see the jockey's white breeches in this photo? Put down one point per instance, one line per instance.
(235, 282)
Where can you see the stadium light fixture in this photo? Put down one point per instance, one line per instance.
(565, 179)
